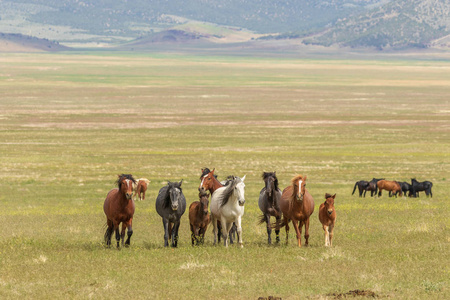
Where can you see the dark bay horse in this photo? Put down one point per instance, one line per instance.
(327, 216)
(199, 218)
(142, 184)
(362, 187)
(119, 208)
(297, 205)
(391, 186)
(269, 203)
(373, 188)
(170, 205)
(421, 186)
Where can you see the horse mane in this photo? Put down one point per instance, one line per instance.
(170, 185)
(294, 182)
(204, 172)
(229, 188)
(124, 176)
(266, 175)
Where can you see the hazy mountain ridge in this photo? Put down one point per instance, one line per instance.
(397, 24)
(373, 23)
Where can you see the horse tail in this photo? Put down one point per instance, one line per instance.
(280, 223)
(354, 188)
(262, 219)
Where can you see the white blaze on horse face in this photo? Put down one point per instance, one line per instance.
(300, 187)
(201, 184)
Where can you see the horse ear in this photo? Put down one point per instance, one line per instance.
(181, 182)
(304, 178)
(213, 171)
(243, 178)
(275, 173)
(334, 196)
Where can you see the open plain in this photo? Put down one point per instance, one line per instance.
(69, 123)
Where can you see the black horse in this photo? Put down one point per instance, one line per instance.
(373, 188)
(362, 187)
(170, 205)
(269, 203)
(424, 186)
(406, 188)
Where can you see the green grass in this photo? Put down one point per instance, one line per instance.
(70, 123)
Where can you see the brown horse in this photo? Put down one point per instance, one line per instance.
(119, 208)
(327, 216)
(199, 218)
(297, 205)
(142, 184)
(392, 186)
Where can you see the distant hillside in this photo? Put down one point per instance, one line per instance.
(398, 24)
(379, 24)
(23, 43)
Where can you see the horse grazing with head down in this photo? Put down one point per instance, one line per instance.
(391, 186)
(119, 208)
(424, 186)
(199, 218)
(141, 188)
(297, 205)
(170, 205)
(327, 216)
(269, 204)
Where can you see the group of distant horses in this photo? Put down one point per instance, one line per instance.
(227, 202)
(376, 186)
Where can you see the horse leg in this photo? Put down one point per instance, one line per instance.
(122, 233)
(306, 231)
(331, 234)
(129, 232)
(269, 229)
(225, 230)
(277, 229)
(192, 234)
(327, 235)
(166, 232)
(176, 226)
(232, 233)
(143, 196)
(239, 231)
(214, 223)
(116, 229)
(298, 231)
(287, 230)
(109, 232)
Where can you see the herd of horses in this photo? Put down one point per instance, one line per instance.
(294, 204)
(376, 186)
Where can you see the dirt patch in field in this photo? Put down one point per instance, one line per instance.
(353, 294)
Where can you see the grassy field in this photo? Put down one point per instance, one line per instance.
(69, 123)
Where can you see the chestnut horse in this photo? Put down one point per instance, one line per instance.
(142, 184)
(327, 216)
(199, 218)
(119, 208)
(297, 205)
(392, 186)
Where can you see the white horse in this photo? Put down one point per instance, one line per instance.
(227, 206)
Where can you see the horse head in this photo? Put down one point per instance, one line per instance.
(239, 190)
(299, 183)
(175, 193)
(329, 203)
(125, 184)
(204, 202)
(271, 182)
(207, 180)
